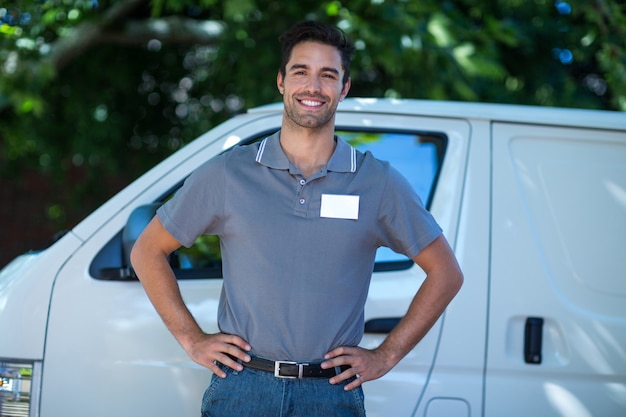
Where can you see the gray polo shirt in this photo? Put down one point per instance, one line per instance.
(297, 252)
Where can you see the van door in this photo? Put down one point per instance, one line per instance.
(432, 154)
(557, 321)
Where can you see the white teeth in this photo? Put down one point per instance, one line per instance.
(311, 103)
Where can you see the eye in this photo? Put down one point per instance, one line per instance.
(298, 72)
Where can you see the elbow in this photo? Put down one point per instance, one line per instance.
(139, 254)
(458, 280)
(454, 280)
(135, 256)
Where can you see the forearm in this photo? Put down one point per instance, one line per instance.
(442, 283)
(427, 306)
(159, 282)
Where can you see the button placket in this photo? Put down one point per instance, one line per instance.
(301, 198)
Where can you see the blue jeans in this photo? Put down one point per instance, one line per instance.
(253, 393)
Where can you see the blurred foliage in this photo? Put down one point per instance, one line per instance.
(100, 88)
(204, 253)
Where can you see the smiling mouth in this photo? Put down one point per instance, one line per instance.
(311, 103)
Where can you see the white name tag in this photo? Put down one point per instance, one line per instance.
(340, 206)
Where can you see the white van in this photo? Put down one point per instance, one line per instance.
(533, 201)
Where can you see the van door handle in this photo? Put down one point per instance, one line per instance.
(383, 325)
(533, 340)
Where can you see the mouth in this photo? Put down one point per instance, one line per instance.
(311, 102)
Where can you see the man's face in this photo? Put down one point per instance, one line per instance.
(312, 85)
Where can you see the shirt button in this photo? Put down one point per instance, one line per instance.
(302, 182)
(302, 201)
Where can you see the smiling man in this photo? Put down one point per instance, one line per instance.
(313, 81)
(300, 216)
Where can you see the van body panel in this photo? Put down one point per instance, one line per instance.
(559, 233)
(120, 349)
(25, 288)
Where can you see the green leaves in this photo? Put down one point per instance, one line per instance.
(109, 87)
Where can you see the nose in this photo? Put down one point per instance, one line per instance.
(313, 84)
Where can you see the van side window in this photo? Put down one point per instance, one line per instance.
(417, 156)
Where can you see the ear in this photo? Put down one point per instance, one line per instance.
(280, 83)
(346, 88)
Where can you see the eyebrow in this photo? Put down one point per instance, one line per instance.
(324, 69)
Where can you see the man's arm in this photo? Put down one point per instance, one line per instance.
(149, 257)
(443, 280)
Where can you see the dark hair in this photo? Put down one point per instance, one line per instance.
(317, 32)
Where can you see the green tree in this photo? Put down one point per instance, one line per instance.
(92, 90)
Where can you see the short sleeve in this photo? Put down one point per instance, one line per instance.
(405, 225)
(198, 206)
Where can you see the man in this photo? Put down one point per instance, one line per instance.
(300, 216)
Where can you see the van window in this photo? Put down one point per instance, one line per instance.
(417, 156)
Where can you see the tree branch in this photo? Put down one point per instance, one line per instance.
(173, 29)
(65, 49)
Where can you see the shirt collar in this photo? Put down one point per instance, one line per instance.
(271, 154)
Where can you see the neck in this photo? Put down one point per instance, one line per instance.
(308, 149)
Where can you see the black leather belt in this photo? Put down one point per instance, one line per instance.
(294, 370)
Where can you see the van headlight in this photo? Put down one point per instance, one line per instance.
(19, 387)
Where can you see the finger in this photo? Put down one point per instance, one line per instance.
(226, 344)
(338, 352)
(210, 360)
(216, 370)
(338, 357)
(231, 356)
(234, 353)
(354, 384)
(236, 341)
(230, 361)
(346, 375)
(223, 348)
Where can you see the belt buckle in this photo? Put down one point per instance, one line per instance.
(277, 365)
